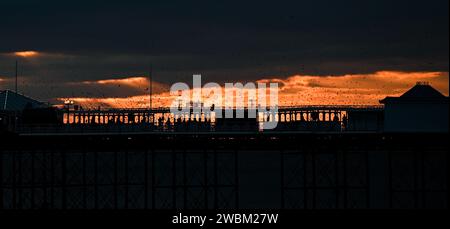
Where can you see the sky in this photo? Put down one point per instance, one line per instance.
(100, 53)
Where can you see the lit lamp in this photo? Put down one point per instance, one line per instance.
(67, 104)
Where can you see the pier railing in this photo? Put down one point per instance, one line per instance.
(323, 118)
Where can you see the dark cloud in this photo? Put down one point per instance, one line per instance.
(242, 40)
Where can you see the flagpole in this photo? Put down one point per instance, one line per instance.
(151, 86)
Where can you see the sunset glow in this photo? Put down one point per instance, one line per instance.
(26, 54)
(363, 89)
(358, 89)
(136, 82)
(141, 101)
(131, 81)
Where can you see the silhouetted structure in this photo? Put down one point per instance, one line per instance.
(319, 157)
(225, 171)
(12, 101)
(17, 109)
(421, 109)
(246, 123)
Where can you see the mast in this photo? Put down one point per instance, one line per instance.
(16, 76)
(151, 87)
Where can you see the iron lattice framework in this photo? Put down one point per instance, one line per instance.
(118, 179)
(317, 180)
(291, 171)
(401, 172)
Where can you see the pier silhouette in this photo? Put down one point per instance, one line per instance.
(318, 157)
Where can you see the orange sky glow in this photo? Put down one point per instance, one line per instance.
(26, 54)
(138, 82)
(358, 89)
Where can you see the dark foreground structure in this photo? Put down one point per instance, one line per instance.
(220, 171)
(318, 157)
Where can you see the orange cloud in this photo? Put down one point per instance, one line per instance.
(141, 82)
(3, 82)
(26, 54)
(131, 81)
(357, 89)
(140, 101)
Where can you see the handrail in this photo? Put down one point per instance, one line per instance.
(167, 109)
